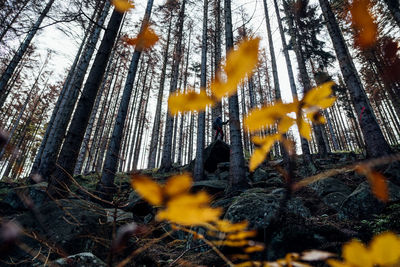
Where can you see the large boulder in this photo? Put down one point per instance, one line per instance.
(363, 204)
(65, 222)
(211, 186)
(35, 194)
(330, 185)
(258, 208)
(217, 152)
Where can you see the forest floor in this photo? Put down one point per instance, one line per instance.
(323, 215)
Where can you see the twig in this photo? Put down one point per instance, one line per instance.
(369, 163)
(201, 237)
(140, 250)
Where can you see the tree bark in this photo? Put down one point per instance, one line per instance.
(166, 162)
(111, 161)
(68, 102)
(5, 77)
(376, 144)
(157, 118)
(198, 171)
(76, 131)
(237, 171)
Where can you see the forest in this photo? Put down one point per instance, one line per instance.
(200, 133)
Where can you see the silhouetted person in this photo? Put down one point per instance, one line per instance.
(217, 126)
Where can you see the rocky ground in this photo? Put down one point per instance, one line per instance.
(79, 231)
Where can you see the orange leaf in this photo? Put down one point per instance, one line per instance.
(363, 22)
(378, 185)
(255, 248)
(145, 40)
(377, 181)
(122, 5)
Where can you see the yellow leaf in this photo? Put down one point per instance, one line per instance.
(239, 64)
(249, 264)
(255, 248)
(242, 235)
(316, 117)
(257, 158)
(269, 115)
(145, 40)
(356, 254)
(285, 123)
(148, 189)
(378, 185)
(231, 243)
(189, 101)
(227, 226)
(122, 5)
(385, 249)
(178, 184)
(305, 129)
(320, 96)
(336, 263)
(260, 154)
(190, 210)
(239, 257)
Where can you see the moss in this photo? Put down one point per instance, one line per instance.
(389, 220)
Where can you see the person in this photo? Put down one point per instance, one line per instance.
(217, 126)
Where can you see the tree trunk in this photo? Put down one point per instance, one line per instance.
(304, 143)
(166, 162)
(376, 144)
(5, 77)
(157, 118)
(67, 82)
(394, 8)
(73, 140)
(217, 108)
(111, 161)
(68, 102)
(237, 171)
(89, 128)
(198, 171)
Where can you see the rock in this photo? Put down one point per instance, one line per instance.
(223, 166)
(217, 152)
(137, 205)
(212, 177)
(6, 209)
(259, 208)
(86, 259)
(329, 185)
(35, 193)
(392, 172)
(260, 175)
(64, 222)
(363, 204)
(274, 182)
(334, 199)
(120, 215)
(211, 186)
(224, 176)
